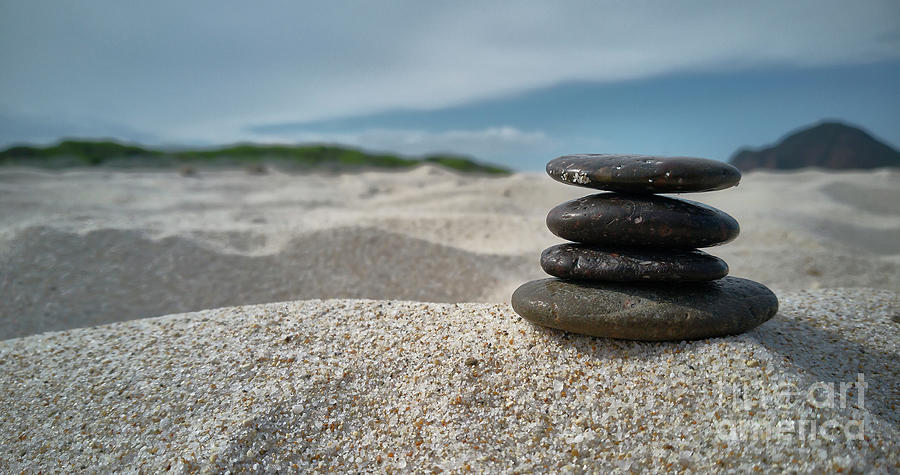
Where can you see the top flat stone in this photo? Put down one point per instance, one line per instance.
(643, 173)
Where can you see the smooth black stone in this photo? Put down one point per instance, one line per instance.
(661, 311)
(586, 262)
(614, 219)
(643, 173)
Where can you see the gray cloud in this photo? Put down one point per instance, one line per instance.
(201, 71)
(28, 129)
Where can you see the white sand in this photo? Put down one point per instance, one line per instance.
(376, 384)
(88, 247)
(361, 385)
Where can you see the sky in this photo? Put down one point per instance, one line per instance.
(512, 83)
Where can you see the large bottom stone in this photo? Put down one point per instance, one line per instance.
(657, 311)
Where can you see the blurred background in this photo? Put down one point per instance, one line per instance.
(508, 83)
(168, 156)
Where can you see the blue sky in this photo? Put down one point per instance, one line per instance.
(511, 83)
(706, 115)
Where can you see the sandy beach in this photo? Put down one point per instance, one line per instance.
(82, 248)
(393, 345)
(365, 385)
(322, 238)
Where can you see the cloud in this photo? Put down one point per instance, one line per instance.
(204, 70)
(44, 130)
(485, 143)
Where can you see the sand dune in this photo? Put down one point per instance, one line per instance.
(87, 247)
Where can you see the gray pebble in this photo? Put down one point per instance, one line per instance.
(643, 174)
(586, 262)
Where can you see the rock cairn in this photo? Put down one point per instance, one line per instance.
(634, 270)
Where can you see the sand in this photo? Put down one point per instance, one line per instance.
(434, 372)
(89, 247)
(365, 385)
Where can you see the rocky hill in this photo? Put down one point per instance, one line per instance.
(830, 145)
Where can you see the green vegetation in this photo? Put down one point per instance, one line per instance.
(74, 153)
(86, 152)
(465, 165)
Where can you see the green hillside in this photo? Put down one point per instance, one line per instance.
(79, 153)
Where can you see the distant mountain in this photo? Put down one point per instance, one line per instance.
(826, 145)
(80, 153)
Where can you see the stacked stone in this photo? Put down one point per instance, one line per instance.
(634, 270)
